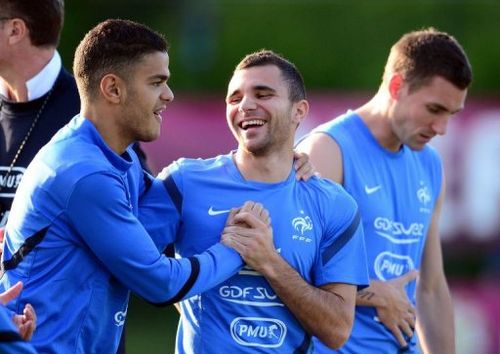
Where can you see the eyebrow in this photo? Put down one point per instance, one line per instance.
(263, 88)
(159, 76)
(254, 88)
(443, 108)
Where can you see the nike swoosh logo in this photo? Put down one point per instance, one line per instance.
(370, 190)
(213, 212)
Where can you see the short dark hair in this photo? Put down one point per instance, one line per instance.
(421, 55)
(113, 46)
(296, 87)
(44, 18)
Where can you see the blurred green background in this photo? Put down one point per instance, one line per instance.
(338, 46)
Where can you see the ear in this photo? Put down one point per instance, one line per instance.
(17, 30)
(113, 88)
(396, 83)
(301, 110)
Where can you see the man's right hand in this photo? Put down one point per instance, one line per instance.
(394, 310)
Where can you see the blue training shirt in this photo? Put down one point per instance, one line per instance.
(316, 229)
(396, 193)
(74, 239)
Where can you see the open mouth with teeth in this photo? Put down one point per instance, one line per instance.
(252, 124)
(158, 113)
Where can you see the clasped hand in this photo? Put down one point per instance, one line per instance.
(248, 231)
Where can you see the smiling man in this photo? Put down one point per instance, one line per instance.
(304, 283)
(379, 153)
(73, 236)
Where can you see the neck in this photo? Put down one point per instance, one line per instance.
(24, 65)
(103, 119)
(270, 168)
(376, 114)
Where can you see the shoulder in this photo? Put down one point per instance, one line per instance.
(68, 150)
(334, 207)
(329, 192)
(69, 158)
(204, 164)
(189, 166)
(317, 139)
(327, 138)
(337, 124)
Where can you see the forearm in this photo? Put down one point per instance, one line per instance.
(171, 280)
(324, 314)
(435, 321)
(217, 264)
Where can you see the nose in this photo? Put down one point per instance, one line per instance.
(440, 126)
(167, 94)
(247, 104)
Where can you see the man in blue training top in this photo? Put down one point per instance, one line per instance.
(379, 153)
(301, 285)
(73, 236)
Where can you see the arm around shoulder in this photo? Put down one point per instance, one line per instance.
(325, 154)
(106, 224)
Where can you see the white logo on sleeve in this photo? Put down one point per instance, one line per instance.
(120, 318)
(371, 190)
(213, 212)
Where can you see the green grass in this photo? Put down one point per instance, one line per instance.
(150, 329)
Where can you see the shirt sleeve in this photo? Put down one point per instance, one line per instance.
(342, 257)
(106, 223)
(159, 214)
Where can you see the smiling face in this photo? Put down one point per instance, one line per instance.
(420, 115)
(148, 94)
(259, 111)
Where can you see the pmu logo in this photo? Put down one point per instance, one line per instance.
(389, 265)
(397, 232)
(258, 332)
(302, 224)
(10, 183)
